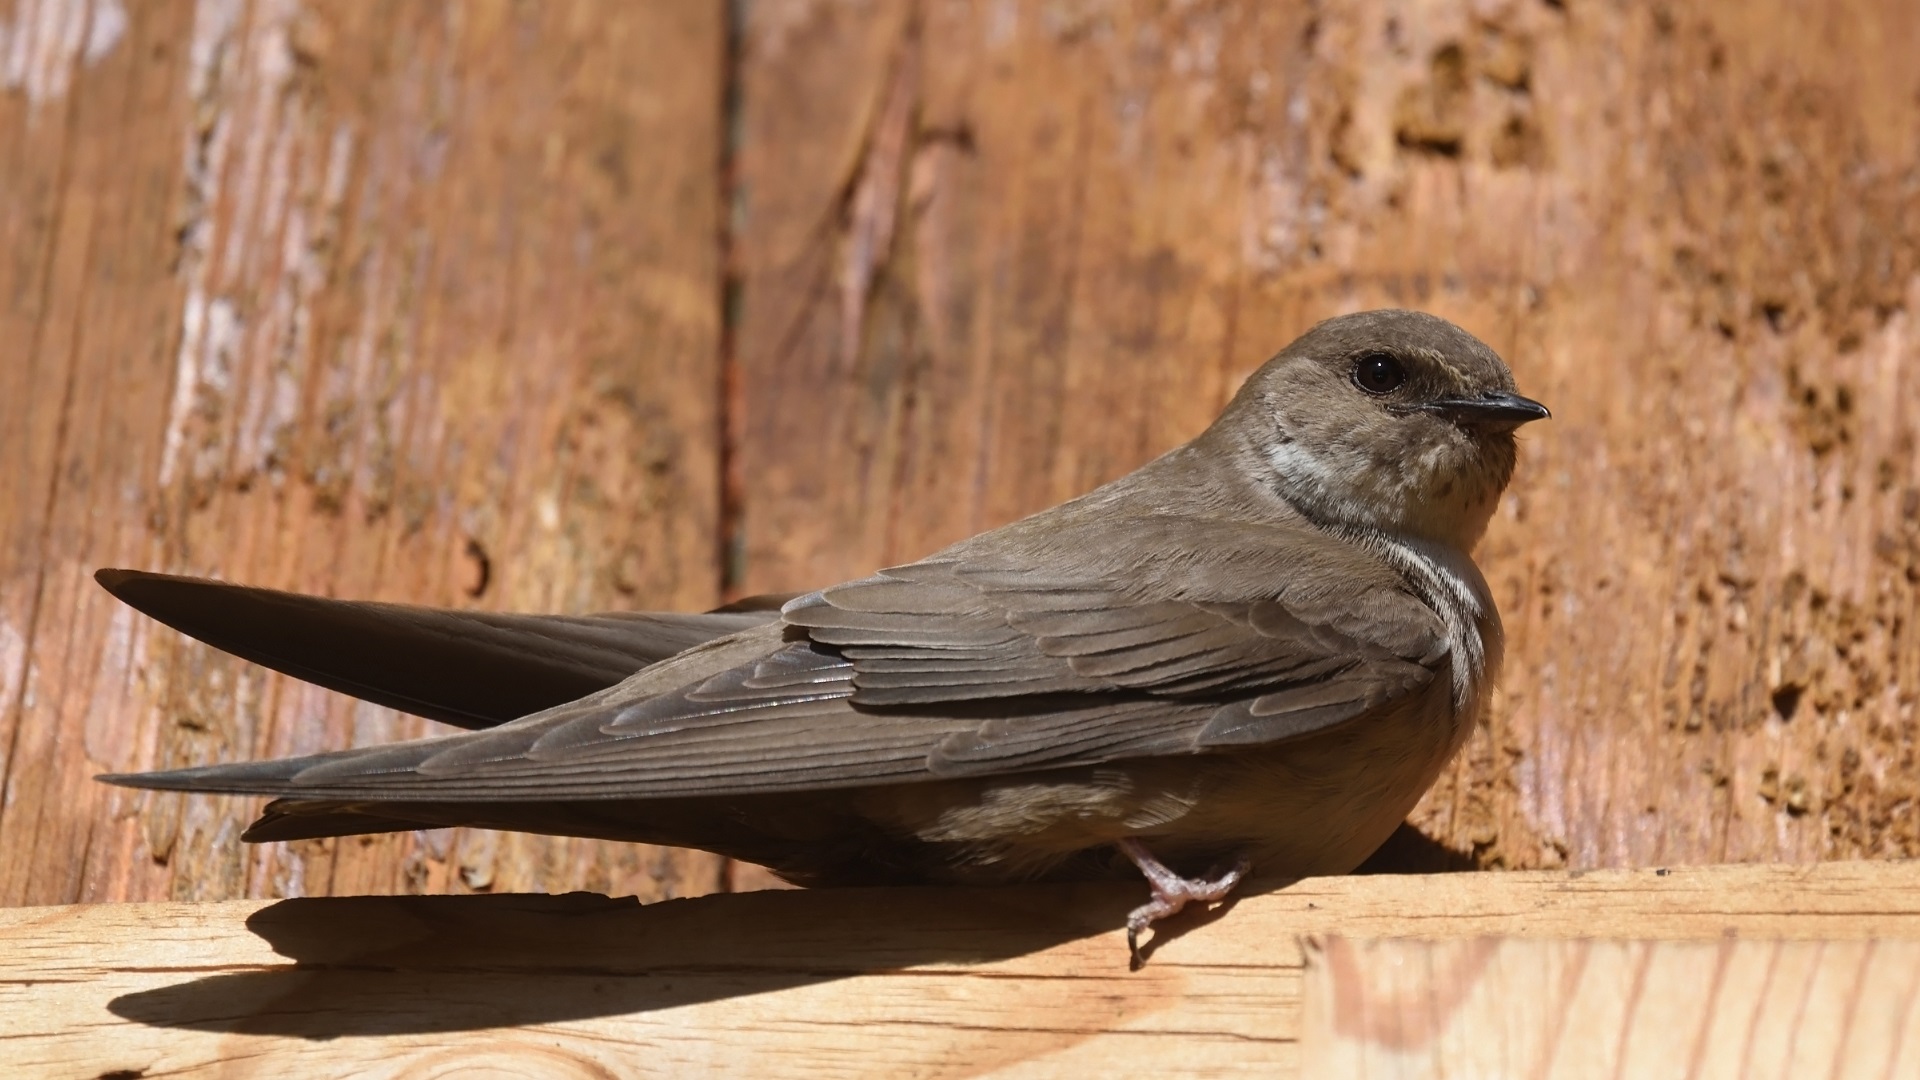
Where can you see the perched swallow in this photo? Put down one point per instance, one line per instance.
(1257, 650)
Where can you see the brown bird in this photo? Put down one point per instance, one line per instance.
(1259, 649)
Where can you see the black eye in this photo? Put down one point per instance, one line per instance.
(1378, 373)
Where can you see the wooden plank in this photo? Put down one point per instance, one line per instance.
(405, 302)
(995, 253)
(931, 982)
(1559, 1010)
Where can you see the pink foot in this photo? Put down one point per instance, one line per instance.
(1171, 892)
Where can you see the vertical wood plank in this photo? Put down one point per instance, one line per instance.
(407, 305)
(411, 303)
(993, 254)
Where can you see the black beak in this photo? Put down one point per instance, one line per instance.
(1503, 408)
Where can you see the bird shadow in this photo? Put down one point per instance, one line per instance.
(388, 965)
(1410, 851)
(1195, 916)
(421, 964)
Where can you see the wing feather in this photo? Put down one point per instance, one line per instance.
(961, 665)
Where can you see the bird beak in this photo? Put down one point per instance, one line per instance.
(1503, 408)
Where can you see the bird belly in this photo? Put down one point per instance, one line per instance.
(1316, 805)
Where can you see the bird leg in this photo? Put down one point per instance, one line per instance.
(1171, 892)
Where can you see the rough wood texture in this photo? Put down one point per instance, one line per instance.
(1010, 982)
(995, 253)
(416, 303)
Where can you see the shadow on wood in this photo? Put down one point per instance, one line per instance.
(1410, 851)
(462, 963)
(1526, 971)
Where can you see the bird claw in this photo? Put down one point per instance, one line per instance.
(1171, 892)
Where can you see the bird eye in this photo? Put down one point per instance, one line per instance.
(1378, 373)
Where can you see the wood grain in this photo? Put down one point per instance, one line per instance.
(1734, 1008)
(1027, 981)
(994, 253)
(449, 305)
(412, 303)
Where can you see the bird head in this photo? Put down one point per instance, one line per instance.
(1389, 421)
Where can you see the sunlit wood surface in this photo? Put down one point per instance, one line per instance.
(1747, 972)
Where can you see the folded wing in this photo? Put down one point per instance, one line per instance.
(961, 665)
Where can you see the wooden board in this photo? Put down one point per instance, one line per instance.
(995, 253)
(1005, 982)
(410, 303)
(1558, 1010)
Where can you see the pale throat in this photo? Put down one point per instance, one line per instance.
(1425, 498)
(1400, 513)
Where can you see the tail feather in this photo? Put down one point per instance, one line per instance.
(472, 669)
(283, 776)
(810, 840)
(273, 777)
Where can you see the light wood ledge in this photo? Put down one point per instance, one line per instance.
(1747, 971)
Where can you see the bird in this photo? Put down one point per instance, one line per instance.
(1257, 650)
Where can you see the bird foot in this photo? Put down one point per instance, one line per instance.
(1171, 892)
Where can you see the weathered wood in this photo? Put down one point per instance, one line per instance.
(1020, 982)
(411, 302)
(995, 253)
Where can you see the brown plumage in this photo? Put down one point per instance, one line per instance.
(1263, 645)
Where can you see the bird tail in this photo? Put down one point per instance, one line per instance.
(308, 775)
(472, 669)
